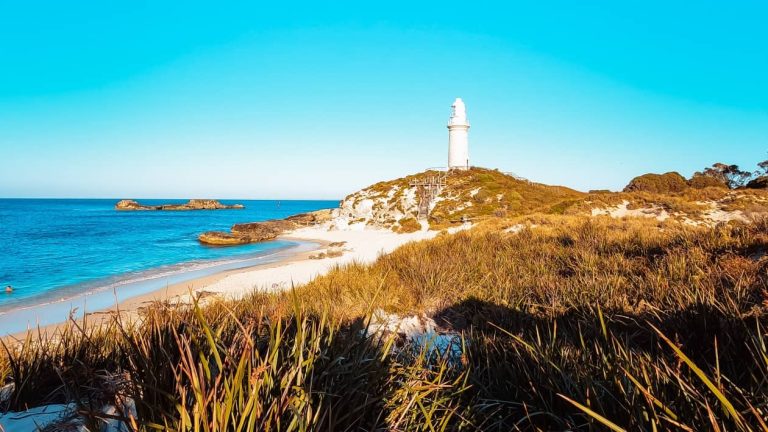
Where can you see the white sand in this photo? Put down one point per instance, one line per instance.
(621, 211)
(715, 214)
(363, 245)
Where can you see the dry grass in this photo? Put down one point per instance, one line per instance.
(408, 225)
(691, 204)
(480, 193)
(564, 262)
(572, 323)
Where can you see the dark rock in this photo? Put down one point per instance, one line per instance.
(133, 205)
(311, 218)
(263, 231)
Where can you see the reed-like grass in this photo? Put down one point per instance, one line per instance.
(574, 324)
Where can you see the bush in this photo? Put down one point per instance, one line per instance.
(658, 183)
(566, 326)
(703, 181)
(758, 183)
(409, 225)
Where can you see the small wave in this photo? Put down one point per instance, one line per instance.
(123, 280)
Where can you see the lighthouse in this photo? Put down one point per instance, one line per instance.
(458, 137)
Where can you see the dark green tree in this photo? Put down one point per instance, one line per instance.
(763, 166)
(728, 174)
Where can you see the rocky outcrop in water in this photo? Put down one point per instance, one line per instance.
(193, 204)
(221, 238)
(255, 232)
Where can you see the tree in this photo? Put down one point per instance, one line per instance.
(728, 174)
(763, 168)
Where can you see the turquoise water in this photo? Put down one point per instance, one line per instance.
(58, 248)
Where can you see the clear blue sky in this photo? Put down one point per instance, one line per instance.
(311, 100)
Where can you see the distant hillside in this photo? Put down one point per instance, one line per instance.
(467, 195)
(671, 182)
(479, 194)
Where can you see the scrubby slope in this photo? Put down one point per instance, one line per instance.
(473, 194)
(649, 328)
(479, 193)
(707, 206)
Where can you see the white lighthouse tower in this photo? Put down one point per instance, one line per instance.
(458, 137)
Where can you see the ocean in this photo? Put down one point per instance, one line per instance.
(53, 249)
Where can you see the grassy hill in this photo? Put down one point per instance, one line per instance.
(474, 194)
(481, 194)
(543, 316)
(571, 325)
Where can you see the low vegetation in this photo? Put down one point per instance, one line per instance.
(670, 182)
(758, 183)
(542, 317)
(719, 175)
(408, 225)
(470, 195)
(479, 193)
(702, 182)
(567, 323)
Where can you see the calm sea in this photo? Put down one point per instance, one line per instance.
(55, 248)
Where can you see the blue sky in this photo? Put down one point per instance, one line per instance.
(192, 99)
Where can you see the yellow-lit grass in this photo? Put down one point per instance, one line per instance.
(561, 263)
(571, 323)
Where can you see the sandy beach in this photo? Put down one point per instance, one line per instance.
(359, 245)
(294, 267)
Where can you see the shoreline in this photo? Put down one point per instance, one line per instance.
(110, 283)
(286, 268)
(128, 297)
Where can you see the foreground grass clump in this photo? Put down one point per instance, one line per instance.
(567, 324)
(229, 368)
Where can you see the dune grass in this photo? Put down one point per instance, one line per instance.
(569, 324)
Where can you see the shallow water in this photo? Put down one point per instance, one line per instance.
(59, 248)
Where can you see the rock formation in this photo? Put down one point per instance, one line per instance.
(193, 204)
(263, 231)
(220, 238)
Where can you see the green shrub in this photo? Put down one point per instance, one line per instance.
(575, 324)
(670, 182)
(702, 181)
(758, 183)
